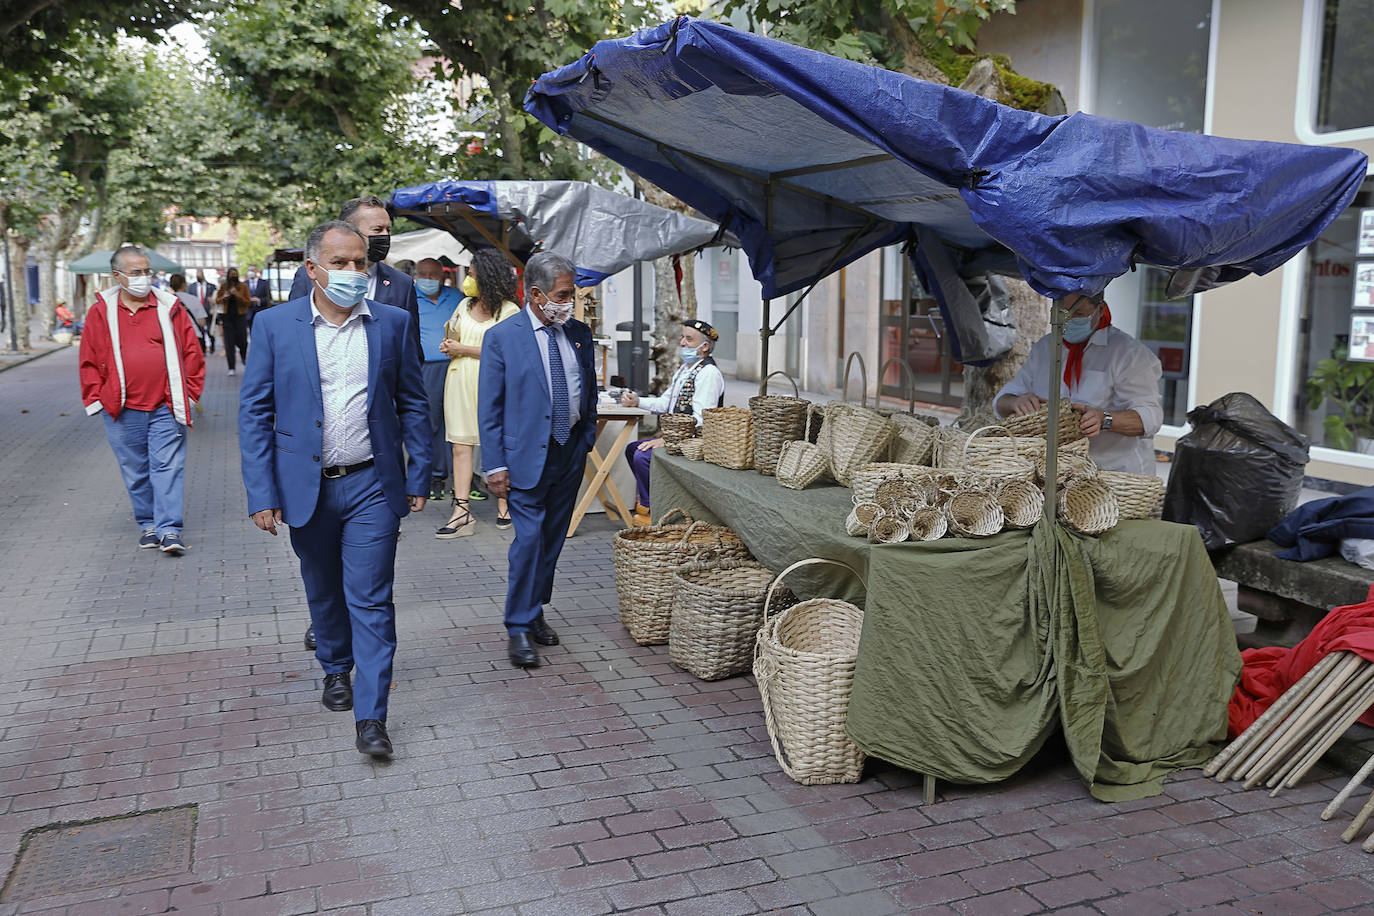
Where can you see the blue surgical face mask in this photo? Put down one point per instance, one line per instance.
(689, 354)
(427, 287)
(346, 287)
(1077, 330)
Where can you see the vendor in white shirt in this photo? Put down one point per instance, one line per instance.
(696, 385)
(1112, 376)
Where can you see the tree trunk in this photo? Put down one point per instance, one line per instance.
(47, 289)
(1032, 314)
(667, 319)
(19, 278)
(507, 120)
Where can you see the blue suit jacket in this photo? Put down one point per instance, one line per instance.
(393, 288)
(281, 411)
(514, 417)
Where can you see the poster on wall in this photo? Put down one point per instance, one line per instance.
(1364, 285)
(1362, 336)
(1366, 241)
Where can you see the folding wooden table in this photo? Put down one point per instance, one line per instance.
(598, 468)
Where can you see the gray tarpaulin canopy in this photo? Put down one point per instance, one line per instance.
(602, 231)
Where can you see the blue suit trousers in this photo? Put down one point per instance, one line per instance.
(541, 516)
(348, 563)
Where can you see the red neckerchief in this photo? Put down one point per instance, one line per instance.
(1073, 365)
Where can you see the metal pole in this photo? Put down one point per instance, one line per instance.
(1052, 432)
(638, 375)
(766, 330)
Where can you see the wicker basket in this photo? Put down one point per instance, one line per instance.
(1137, 495)
(913, 439)
(800, 464)
(1022, 502)
(990, 462)
(892, 491)
(929, 524)
(974, 514)
(673, 428)
(888, 528)
(728, 437)
(1087, 506)
(691, 449)
(777, 421)
(717, 612)
(856, 436)
(645, 560)
(1072, 461)
(1038, 423)
(867, 478)
(804, 661)
(860, 518)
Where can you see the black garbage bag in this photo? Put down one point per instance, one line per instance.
(1237, 473)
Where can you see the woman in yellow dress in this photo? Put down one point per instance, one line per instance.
(488, 294)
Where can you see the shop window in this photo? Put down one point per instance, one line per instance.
(1335, 400)
(1345, 71)
(1151, 61)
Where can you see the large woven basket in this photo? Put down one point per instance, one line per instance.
(993, 466)
(804, 661)
(856, 436)
(1137, 495)
(800, 464)
(1087, 506)
(913, 439)
(673, 428)
(645, 560)
(717, 612)
(777, 421)
(1038, 423)
(691, 449)
(728, 437)
(974, 514)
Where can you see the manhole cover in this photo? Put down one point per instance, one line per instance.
(103, 853)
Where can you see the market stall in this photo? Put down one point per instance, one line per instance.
(970, 657)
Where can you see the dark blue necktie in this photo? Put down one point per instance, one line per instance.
(558, 390)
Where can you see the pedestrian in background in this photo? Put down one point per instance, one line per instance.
(489, 291)
(259, 291)
(537, 416)
(235, 307)
(331, 405)
(205, 295)
(192, 303)
(141, 366)
(436, 303)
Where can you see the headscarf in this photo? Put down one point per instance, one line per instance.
(1073, 363)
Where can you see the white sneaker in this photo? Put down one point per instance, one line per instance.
(231, 371)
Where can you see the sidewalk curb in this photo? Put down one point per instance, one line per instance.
(30, 357)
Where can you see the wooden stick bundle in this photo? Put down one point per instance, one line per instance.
(1304, 717)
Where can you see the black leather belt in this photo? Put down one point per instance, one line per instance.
(343, 470)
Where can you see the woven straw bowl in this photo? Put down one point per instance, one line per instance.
(888, 528)
(1088, 506)
(691, 449)
(1022, 502)
(929, 524)
(974, 514)
(860, 518)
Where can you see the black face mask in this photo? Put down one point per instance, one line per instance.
(377, 247)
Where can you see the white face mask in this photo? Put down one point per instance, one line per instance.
(138, 286)
(557, 313)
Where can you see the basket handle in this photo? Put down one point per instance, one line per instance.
(663, 519)
(796, 392)
(863, 375)
(811, 411)
(813, 561)
(907, 374)
(963, 453)
(687, 535)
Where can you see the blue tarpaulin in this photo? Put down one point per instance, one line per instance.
(601, 231)
(813, 161)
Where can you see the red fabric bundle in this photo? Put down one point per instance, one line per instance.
(1269, 672)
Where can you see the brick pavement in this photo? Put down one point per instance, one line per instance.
(605, 781)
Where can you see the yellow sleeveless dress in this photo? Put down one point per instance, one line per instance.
(460, 385)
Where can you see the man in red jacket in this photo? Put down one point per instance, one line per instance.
(142, 366)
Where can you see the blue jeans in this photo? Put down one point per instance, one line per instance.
(150, 446)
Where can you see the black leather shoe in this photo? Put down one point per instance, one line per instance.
(542, 633)
(373, 740)
(338, 692)
(522, 652)
(310, 637)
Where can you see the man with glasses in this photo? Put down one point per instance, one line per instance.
(1111, 377)
(143, 368)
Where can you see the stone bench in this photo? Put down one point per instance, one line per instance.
(1288, 597)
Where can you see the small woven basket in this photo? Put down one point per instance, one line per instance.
(888, 528)
(913, 439)
(929, 524)
(1087, 506)
(691, 449)
(857, 436)
(800, 464)
(894, 490)
(1022, 502)
(867, 478)
(804, 661)
(645, 560)
(673, 428)
(728, 437)
(974, 514)
(717, 612)
(1137, 495)
(860, 518)
(1038, 423)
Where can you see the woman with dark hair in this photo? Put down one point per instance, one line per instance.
(488, 297)
(235, 305)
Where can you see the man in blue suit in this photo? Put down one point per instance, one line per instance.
(369, 215)
(536, 417)
(331, 393)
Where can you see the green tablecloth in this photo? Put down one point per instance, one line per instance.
(972, 653)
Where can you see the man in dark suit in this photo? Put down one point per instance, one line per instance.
(205, 293)
(385, 284)
(536, 418)
(369, 215)
(331, 394)
(259, 290)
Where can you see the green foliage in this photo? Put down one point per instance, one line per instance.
(1349, 386)
(254, 245)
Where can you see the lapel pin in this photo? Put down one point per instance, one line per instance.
(577, 344)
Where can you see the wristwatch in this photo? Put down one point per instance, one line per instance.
(1106, 419)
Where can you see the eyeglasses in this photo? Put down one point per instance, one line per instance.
(135, 273)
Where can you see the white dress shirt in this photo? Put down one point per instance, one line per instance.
(341, 351)
(1119, 373)
(571, 371)
(706, 391)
